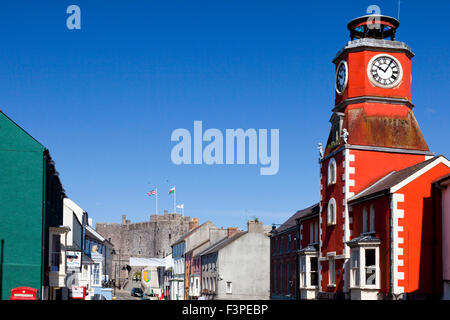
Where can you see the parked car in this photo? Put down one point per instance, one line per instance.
(137, 292)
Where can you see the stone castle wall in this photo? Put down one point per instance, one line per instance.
(149, 239)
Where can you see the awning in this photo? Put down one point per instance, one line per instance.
(85, 260)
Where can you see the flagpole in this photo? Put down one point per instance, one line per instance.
(175, 199)
(156, 209)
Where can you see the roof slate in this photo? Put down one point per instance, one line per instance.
(300, 214)
(391, 179)
(222, 243)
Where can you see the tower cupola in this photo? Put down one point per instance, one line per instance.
(373, 26)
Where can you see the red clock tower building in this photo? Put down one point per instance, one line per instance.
(367, 235)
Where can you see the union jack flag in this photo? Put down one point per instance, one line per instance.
(151, 193)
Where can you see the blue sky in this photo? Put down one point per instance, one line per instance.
(105, 99)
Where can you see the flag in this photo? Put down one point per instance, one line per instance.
(151, 193)
(180, 206)
(172, 190)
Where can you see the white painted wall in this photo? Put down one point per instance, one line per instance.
(245, 263)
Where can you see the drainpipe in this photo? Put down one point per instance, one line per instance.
(44, 208)
(391, 280)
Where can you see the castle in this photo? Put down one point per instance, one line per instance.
(151, 239)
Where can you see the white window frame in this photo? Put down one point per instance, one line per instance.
(316, 256)
(94, 278)
(331, 214)
(305, 270)
(362, 267)
(331, 271)
(332, 168)
(355, 278)
(229, 287)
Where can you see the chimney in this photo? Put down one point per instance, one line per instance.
(231, 231)
(124, 219)
(193, 224)
(255, 226)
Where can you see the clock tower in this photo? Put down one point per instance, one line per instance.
(373, 132)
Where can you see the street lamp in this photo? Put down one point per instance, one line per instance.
(113, 252)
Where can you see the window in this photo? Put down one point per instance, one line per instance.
(372, 218)
(355, 267)
(288, 244)
(331, 277)
(370, 267)
(364, 220)
(309, 270)
(96, 274)
(56, 252)
(303, 282)
(281, 278)
(275, 278)
(364, 267)
(229, 287)
(332, 171)
(316, 235)
(288, 278)
(314, 271)
(281, 244)
(331, 212)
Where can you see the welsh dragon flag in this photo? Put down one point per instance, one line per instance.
(172, 190)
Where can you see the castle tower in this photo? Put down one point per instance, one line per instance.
(373, 132)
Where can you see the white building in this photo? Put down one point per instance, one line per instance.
(238, 267)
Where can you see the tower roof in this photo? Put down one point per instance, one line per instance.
(373, 26)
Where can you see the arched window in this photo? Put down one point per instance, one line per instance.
(331, 212)
(332, 171)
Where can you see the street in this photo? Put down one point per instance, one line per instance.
(124, 295)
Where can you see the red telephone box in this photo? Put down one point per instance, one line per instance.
(24, 293)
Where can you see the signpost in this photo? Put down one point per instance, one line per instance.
(73, 259)
(78, 293)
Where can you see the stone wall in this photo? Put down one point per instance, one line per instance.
(150, 239)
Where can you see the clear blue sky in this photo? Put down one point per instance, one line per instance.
(106, 98)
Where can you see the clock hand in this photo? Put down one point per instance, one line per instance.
(384, 70)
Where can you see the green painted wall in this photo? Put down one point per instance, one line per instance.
(21, 198)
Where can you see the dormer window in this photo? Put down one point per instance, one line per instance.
(332, 171)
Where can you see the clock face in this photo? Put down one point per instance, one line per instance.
(341, 77)
(384, 71)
